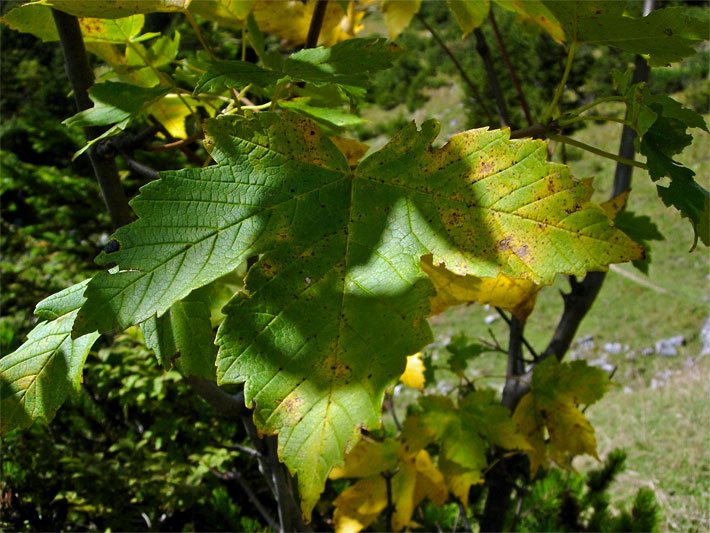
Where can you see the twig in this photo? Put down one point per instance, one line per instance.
(472, 86)
(237, 476)
(389, 403)
(525, 342)
(511, 70)
(200, 37)
(604, 118)
(81, 78)
(172, 145)
(573, 142)
(536, 131)
(389, 510)
(485, 53)
(192, 156)
(563, 82)
(230, 405)
(316, 23)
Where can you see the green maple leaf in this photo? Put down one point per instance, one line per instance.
(38, 377)
(665, 35)
(338, 299)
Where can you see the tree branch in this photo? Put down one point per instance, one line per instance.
(493, 83)
(316, 23)
(513, 76)
(81, 78)
(472, 86)
(237, 476)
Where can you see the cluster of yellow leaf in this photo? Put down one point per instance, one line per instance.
(412, 478)
(549, 416)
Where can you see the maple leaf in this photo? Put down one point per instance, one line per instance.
(413, 477)
(39, 376)
(338, 299)
(665, 35)
(552, 405)
(515, 295)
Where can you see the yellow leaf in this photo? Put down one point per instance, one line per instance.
(360, 504)
(113, 9)
(613, 206)
(535, 12)
(532, 427)
(171, 111)
(368, 458)
(551, 408)
(290, 20)
(398, 15)
(351, 148)
(515, 295)
(413, 375)
(230, 13)
(430, 481)
(469, 14)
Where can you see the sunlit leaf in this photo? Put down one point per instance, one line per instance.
(535, 12)
(338, 299)
(398, 15)
(290, 20)
(552, 407)
(469, 14)
(230, 13)
(413, 375)
(515, 295)
(37, 378)
(113, 9)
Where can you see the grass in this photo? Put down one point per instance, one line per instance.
(658, 413)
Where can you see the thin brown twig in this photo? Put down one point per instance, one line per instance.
(469, 82)
(511, 70)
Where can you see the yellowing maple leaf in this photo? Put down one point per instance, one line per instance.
(398, 14)
(551, 408)
(413, 375)
(515, 295)
(291, 19)
(415, 478)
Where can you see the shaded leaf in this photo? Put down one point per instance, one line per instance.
(667, 35)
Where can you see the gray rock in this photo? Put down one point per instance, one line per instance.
(614, 348)
(648, 351)
(489, 319)
(602, 363)
(669, 347)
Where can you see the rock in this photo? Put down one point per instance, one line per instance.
(669, 347)
(490, 319)
(602, 363)
(705, 337)
(648, 351)
(613, 348)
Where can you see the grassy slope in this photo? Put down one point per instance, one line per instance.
(662, 429)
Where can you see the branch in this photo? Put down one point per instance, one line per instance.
(229, 405)
(316, 23)
(235, 475)
(485, 53)
(81, 78)
(513, 76)
(472, 86)
(618, 158)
